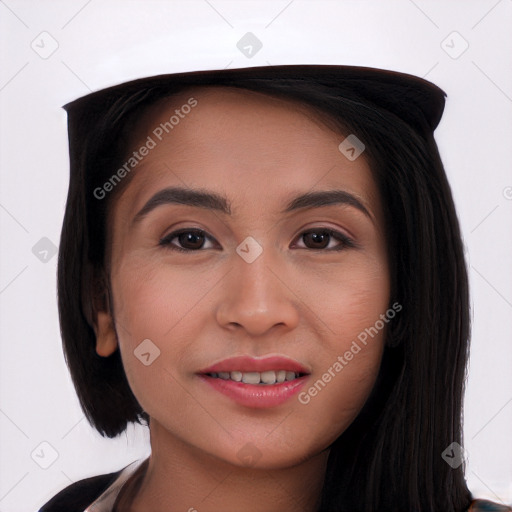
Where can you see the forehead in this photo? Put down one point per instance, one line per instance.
(222, 107)
(236, 140)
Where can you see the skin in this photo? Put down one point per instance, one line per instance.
(298, 299)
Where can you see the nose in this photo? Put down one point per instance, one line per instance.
(256, 297)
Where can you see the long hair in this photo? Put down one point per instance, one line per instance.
(389, 459)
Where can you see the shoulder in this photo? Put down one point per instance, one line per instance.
(488, 506)
(78, 496)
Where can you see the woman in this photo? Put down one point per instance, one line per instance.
(265, 265)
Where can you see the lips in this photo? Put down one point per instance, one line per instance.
(256, 382)
(252, 364)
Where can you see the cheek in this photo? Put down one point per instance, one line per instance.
(152, 299)
(354, 314)
(154, 302)
(339, 388)
(349, 297)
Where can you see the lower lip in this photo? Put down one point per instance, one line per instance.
(257, 396)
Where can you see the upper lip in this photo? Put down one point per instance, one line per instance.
(253, 364)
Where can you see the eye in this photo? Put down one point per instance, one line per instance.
(317, 238)
(320, 238)
(191, 239)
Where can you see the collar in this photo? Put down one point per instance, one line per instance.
(106, 500)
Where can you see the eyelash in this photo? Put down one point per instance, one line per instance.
(346, 242)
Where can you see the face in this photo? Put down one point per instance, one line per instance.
(280, 285)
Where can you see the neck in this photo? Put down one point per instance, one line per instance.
(178, 478)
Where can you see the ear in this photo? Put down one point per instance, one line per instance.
(103, 323)
(106, 338)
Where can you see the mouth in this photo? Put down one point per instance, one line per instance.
(265, 378)
(256, 382)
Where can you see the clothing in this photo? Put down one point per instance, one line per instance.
(95, 494)
(99, 493)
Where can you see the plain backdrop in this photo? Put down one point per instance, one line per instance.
(56, 51)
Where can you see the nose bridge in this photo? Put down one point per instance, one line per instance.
(254, 280)
(255, 298)
(254, 270)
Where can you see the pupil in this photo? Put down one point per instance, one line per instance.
(319, 238)
(193, 238)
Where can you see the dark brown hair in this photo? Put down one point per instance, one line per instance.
(389, 459)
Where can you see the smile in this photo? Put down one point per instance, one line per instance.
(266, 378)
(256, 382)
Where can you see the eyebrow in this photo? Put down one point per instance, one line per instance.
(213, 201)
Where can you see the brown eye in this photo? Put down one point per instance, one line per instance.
(321, 238)
(188, 239)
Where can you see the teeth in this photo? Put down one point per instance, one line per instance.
(267, 377)
(290, 375)
(251, 377)
(236, 376)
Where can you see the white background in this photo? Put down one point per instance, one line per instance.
(107, 42)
